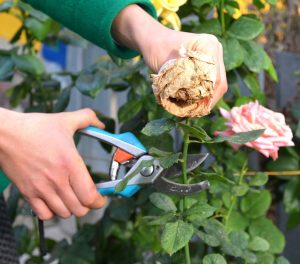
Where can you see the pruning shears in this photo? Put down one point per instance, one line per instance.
(131, 152)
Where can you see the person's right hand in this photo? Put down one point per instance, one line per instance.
(38, 154)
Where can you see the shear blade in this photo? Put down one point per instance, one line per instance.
(193, 162)
(167, 186)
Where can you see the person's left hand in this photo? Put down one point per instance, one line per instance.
(167, 46)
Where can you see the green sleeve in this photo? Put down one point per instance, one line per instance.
(4, 182)
(92, 19)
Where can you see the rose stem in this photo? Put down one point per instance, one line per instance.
(234, 197)
(185, 180)
(221, 13)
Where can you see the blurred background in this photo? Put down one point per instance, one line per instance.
(67, 60)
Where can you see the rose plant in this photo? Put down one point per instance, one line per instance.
(226, 224)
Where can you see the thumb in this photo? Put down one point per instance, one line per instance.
(84, 118)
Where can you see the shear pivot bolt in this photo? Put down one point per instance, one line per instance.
(147, 171)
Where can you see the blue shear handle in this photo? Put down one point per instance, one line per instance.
(129, 191)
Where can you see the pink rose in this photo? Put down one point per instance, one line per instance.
(253, 116)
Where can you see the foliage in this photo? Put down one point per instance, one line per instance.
(226, 224)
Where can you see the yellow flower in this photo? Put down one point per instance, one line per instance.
(171, 18)
(166, 10)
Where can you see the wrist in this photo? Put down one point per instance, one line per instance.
(8, 127)
(135, 28)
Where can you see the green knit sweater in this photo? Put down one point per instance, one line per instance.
(91, 19)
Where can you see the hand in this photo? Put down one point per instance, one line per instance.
(38, 154)
(135, 29)
(167, 45)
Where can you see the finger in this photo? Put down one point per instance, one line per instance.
(84, 118)
(221, 84)
(71, 201)
(56, 205)
(40, 209)
(84, 187)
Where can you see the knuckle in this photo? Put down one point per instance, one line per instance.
(82, 212)
(89, 199)
(89, 112)
(65, 215)
(44, 215)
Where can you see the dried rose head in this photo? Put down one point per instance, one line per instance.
(185, 86)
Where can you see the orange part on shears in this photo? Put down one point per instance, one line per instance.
(122, 156)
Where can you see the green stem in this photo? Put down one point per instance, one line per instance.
(185, 180)
(222, 16)
(233, 197)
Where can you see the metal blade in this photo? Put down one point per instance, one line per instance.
(164, 185)
(193, 161)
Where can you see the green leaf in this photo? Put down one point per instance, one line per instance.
(211, 26)
(39, 29)
(90, 84)
(158, 127)
(236, 222)
(214, 259)
(199, 3)
(195, 131)
(139, 84)
(239, 239)
(123, 183)
(259, 179)
(265, 258)
(291, 199)
(272, 2)
(17, 94)
(63, 100)
(6, 67)
(259, 244)
(243, 100)
(231, 249)
(249, 257)
(30, 64)
(167, 161)
(256, 203)
(163, 202)
(240, 190)
(269, 67)
(33, 12)
(232, 52)
(199, 212)
(6, 5)
(215, 228)
(159, 220)
(163, 142)
(239, 138)
(282, 260)
(265, 229)
(208, 239)
(258, 4)
(129, 110)
(252, 83)
(254, 56)
(176, 235)
(158, 152)
(285, 162)
(246, 28)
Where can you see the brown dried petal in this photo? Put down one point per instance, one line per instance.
(184, 87)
